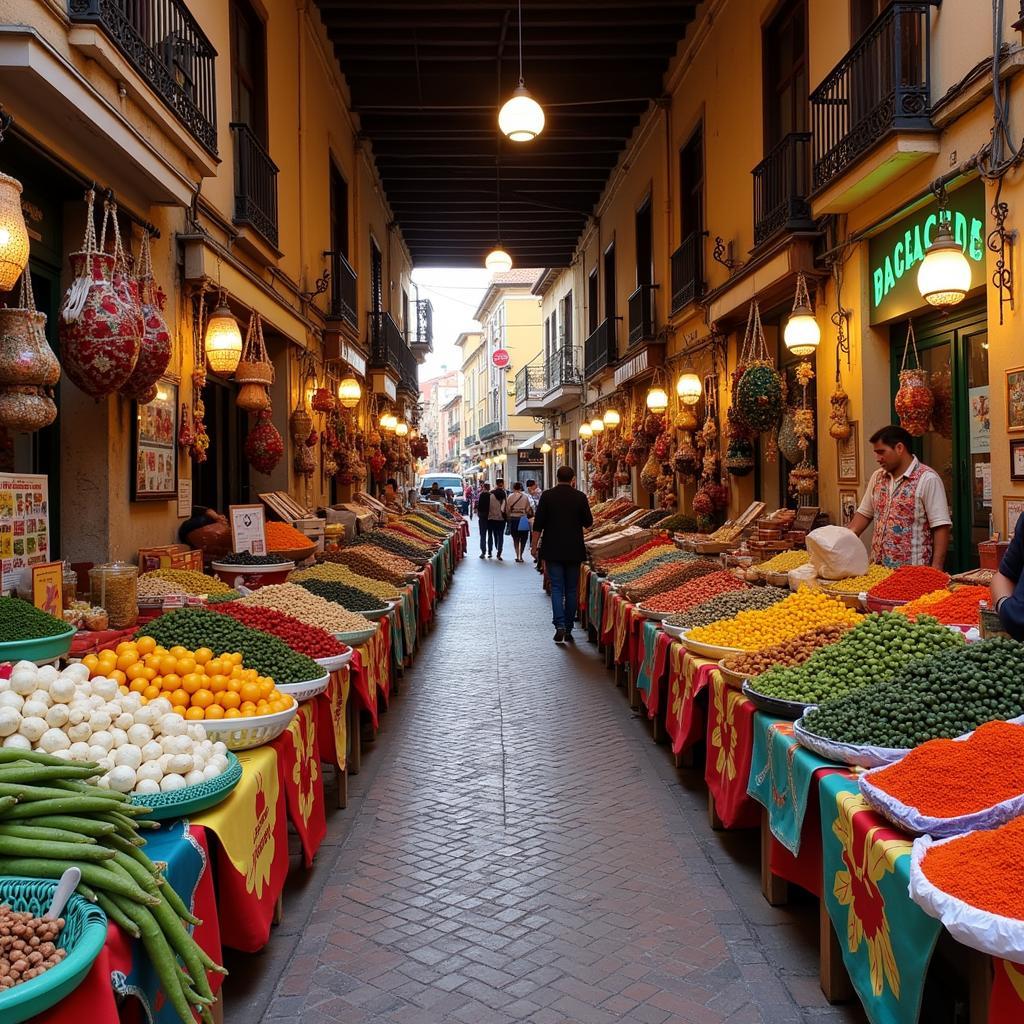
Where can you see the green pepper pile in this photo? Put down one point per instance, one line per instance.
(194, 628)
(941, 697)
(20, 620)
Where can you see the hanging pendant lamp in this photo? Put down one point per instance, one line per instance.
(802, 334)
(13, 233)
(223, 340)
(521, 118)
(944, 277)
(498, 261)
(612, 418)
(689, 387)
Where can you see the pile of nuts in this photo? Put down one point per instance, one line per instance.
(298, 602)
(669, 576)
(27, 946)
(787, 654)
(369, 560)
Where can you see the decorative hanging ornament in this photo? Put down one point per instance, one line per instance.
(155, 349)
(802, 334)
(255, 372)
(25, 355)
(99, 335)
(264, 446)
(14, 245)
(914, 400)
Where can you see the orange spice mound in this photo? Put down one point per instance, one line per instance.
(282, 537)
(950, 778)
(984, 869)
(952, 608)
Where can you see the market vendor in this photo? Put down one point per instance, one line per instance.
(1008, 585)
(207, 530)
(392, 496)
(907, 502)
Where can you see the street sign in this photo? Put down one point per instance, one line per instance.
(501, 358)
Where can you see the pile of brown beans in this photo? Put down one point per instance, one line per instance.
(788, 654)
(377, 563)
(27, 946)
(667, 577)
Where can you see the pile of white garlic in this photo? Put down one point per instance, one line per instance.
(140, 748)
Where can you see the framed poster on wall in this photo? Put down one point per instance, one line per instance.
(1012, 510)
(155, 446)
(847, 506)
(1015, 400)
(847, 460)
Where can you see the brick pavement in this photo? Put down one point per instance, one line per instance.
(516, 849)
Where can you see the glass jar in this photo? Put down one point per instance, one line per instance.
(70, 586)
(114, 587)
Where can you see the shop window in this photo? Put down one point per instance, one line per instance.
(376, 277)
(691, 185)
(609, 283)
(862, 14)
(339, 212)
(566, 322)
(223, 479)
(248, 69)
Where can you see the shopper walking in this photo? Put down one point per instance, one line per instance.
(483, 503)
(518, 513)
(533, 492)
(563, 513)
(496, 519)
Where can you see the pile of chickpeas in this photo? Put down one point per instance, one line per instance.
(27, 946)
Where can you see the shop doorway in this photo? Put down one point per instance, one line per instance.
(223, 479)
(954, 351)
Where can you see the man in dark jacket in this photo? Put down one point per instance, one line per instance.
(563, 513)
(483, 504)
(1008, 585)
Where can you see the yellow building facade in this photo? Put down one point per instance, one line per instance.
(237, 149)
(815, 158)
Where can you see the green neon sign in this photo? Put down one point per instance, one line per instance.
(895, 253)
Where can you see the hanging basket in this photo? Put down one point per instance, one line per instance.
(264, 446)
(155, 346)
(788, 442)
(686, 418)
(253, 397)
(324, 400)
(305, 464)
(914, 400)
(839, 418)
(255, 366)
(803, 480)
(739, 458)
(25, 355)
(24, 409)
(99, 335)
(300, 423)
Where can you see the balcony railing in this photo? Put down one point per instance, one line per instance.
(255, 183)
(641, 314)
(782, 183)
(600, 350)
(489, 430)
(422, 330)
(565, 369)
(388, 351)
(470, 440)
(166, 46)
(882, 85)
(688, 271)
(343, 290)
(531, 381)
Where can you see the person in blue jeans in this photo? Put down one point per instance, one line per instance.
(563, 513)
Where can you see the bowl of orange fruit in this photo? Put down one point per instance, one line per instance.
(235, 704)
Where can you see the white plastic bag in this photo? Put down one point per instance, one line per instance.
(836, 553)
(803, 576)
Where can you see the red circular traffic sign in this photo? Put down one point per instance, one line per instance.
(501, 358)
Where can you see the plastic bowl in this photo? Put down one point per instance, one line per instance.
(252, 576)
(306, 690)
(46, 648)
(358, 637)
(244, 733)
(83, 935)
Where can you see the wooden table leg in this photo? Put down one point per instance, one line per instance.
(979, 984)
(685, 758)
(774, 889)
(217, 1010)
(633, 690)
(609, 655)
(342, 776)
(621, 675)
(279, 909)
(835, 982)
(714, 820)
(355, 743)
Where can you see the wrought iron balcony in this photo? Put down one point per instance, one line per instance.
(388, 351)
(421, 331)
(165, 45)
(688, 271)
(255, 183)
(601, 349)
(641, 314)
(565, 369)
(531, 382)
(489, 430)
(343, 290)
(781, 187)
(883, 85)
(468, 442)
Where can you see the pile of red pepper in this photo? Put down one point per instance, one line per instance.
(689, 595)
(308, 640)
(909, 582)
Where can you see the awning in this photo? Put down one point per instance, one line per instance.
(533, 442)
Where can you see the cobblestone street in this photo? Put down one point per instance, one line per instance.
(517, 849)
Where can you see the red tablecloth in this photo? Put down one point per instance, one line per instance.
(688, 677)
(332, 719)
(91, 642)
(662, 654)
(730, 747)
(301, 779)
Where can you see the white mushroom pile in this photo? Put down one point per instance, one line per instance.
(141, 747)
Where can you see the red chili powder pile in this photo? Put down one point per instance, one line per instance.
(948, 778)
(984, 869)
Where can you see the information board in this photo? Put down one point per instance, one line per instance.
(248, 528)
(24, 525)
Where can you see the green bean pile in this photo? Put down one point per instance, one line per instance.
(52, 819)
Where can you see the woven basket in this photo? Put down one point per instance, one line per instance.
(250, 372)
(83, 936)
